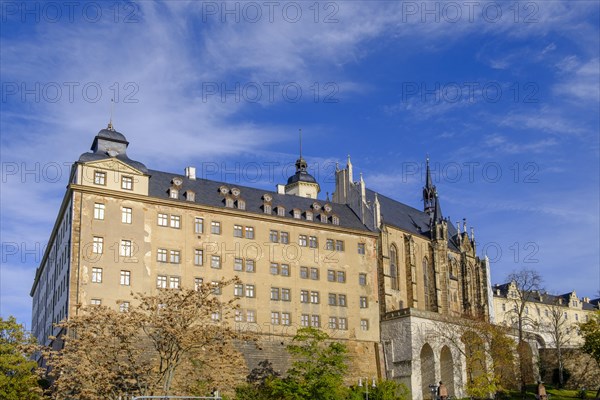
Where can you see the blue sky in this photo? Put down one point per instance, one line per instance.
(503, 96)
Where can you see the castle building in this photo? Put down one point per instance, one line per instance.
(367, 269)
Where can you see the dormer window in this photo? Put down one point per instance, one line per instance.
(297, 213)
(267, 209)
(190, 196)
(323, 218)
(335, 220)
(229, 202)
(177, 182)
(316, 206)
(327, 208)
(241, 204)
(235, 192)
(224, 190)
(173, 193)
(281, 211)
(267, 197)
(309, 216)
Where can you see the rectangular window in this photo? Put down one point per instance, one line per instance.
(250, 316)
(239, 316)
(364, 324)
(125, 278)
(286, 319)
(274, 293)
(362, 279)
(363, 302)
(237, 231)
(304, 272)
(96, 302)
(127, 182)
(249, 290)
(332, 299)
(329, 244)
(161, 255)
(98, 211)
(339, 245)
(284, 237)
(309, 216)
(503, 307)
(274, 236)
(161, 282)
(216, 288)
(125, 248)
(315, 321)
(175, 256)
(175, 221)
(198, 257)
(126, 213)
(285, 270)
(281, 211)
(274, 269)
(302, 240)
(249, 232)
(250, 266)
(361, 248)
(333, 323)
(341, 276)
(314, 273)
(312, 242)
(304, 296)
(305, 320)
(124, 306)
(215, 262)
(297, 213)
(238, 264)
(198, 225)
(267, 208)
(163, 219)
(215, 316)
(343, 324)
(215, 227)
(99, 178)
(286, 294)
(274, 318)
(331, 275)
(238, 290)
(97, 245)
(174, 282)
(342, 300)
(97, 275)
(314, 297)
(198, 283)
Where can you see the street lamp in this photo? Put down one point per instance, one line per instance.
(360, 384)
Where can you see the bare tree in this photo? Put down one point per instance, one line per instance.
(558, 329)
(168, 342)
(523, 287)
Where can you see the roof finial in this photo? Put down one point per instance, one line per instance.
(300, 132)
(110, 124)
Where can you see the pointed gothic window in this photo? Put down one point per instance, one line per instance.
(394, 267)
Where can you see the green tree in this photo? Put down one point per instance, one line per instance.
(590, 331)
(317, 370)
(18, 373)
(383, 390)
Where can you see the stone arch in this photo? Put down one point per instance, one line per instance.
(427, 370)
(394, 267)
(447, 369)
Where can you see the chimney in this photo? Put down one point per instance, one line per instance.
(585, 299)
(190, 172)
(281, 189)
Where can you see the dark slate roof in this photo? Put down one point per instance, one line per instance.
(301, 176)
(207, 193)
(113, 135)
(408, 218)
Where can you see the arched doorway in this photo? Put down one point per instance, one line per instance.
(447, 369)
(427, 370)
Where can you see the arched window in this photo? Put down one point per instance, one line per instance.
(394, 267)
(426, 282)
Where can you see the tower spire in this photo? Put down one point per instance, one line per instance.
(429, 193)
(110, 124)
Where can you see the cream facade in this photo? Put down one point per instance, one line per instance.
(372, 272)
